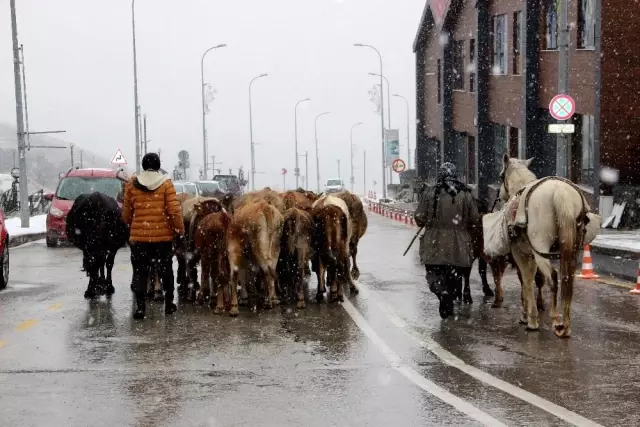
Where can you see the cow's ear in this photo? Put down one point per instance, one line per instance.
(527, 162)
(506, 159)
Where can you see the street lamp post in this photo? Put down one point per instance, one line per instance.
(204, 125)
(306, 169)
(317, 158)
(135, 85)
(384, 179)
(253, 159)
(388, 96)
(408, 128)
(297, 171)
(353, 180)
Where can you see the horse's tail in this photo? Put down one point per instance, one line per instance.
(570, 231)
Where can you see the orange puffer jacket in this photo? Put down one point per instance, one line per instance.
(151, 209)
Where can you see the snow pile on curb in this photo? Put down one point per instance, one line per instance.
(620, 241)
(37, 225)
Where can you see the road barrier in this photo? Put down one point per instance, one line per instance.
(399, 215)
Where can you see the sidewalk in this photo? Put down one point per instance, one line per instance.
(18, 235)
(615, 243)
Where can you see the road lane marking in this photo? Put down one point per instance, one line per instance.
(27, 324)
(55, 306)
(413, 376)
(2, 343)
(452, 360)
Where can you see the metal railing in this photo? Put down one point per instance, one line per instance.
(10, 201)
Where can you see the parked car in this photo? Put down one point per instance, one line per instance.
(333, 186)
(211, 189)
(74, 183)
(187, 187)
(230, 183)
(4, 250)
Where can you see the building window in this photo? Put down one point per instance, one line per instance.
(517, 42)
(551, 25)
(458, 65)
(439, 77)
(472, 65)
(588, 162)
(471, 156)
(500, 146)
(500, 44)
(586, 24)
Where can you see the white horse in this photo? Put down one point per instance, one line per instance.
(556, 217)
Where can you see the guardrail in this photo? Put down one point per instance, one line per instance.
(403, 216)
(10, 203)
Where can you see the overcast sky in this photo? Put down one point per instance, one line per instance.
(79, 62)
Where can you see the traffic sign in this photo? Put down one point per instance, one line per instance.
(118, 158)
(398, 165)
(562, 128)
(284, 171)
(562, 107)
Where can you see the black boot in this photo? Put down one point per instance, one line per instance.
(446, 305)
(169, 306)
(139, 313)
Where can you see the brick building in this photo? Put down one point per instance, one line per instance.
(486, 71)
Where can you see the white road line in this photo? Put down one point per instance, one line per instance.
(413, 376)
(452, 360)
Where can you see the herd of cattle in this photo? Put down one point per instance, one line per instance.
(260, 243)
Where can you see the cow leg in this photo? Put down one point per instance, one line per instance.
(320, 273)
(539, 281)
(482, 270)
(235, 263)
(355, 271)
(205, 279)
(182, 275)
(111, 259)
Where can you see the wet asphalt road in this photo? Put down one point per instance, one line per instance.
(383, 359)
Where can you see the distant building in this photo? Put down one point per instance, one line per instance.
(487, 70)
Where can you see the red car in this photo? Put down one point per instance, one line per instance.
(4, 250)
(74, 183)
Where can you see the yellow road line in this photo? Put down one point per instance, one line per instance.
(626, 285)
(27, 324)
(55, 306)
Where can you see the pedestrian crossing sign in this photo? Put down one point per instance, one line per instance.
(118, 158)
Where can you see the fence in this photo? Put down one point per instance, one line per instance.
(10, 203)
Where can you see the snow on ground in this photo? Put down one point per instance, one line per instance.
(622, 241)
(37, 225)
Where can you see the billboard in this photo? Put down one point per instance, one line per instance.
(392, 145)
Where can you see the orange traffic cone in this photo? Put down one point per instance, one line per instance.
(636, 291)
(587, 265)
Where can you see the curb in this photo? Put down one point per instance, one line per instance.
(25, 238)
(615, 252)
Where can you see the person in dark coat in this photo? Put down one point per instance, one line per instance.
(449, 213)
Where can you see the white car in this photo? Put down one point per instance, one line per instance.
(333, 186)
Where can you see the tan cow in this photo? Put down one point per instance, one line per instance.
(271, 197)
(330, 240)
(254, 244)
(295, 249)
(211, 246)
(359, 222)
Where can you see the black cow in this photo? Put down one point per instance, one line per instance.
(95, 226)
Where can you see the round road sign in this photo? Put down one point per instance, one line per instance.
(562, 107)
(398, 165)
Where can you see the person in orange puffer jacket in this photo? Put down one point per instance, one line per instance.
(153, 214)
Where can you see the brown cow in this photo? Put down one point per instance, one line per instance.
(295, 247)
(299, 199)
(254, 243)
(330, 241)
(194, 210)
(271, 197)
(211, 246)
(359, 222)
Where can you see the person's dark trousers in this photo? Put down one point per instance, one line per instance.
(144, 256)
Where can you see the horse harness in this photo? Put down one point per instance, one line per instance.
(516, 231)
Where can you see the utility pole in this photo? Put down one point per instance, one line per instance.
(71, 147)
(24, 86)
(364, 173)
(306, 170)
(22, 155)
(297, 170)
(339, 169)
(564, 150)
(144, 127)
(135, 85)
